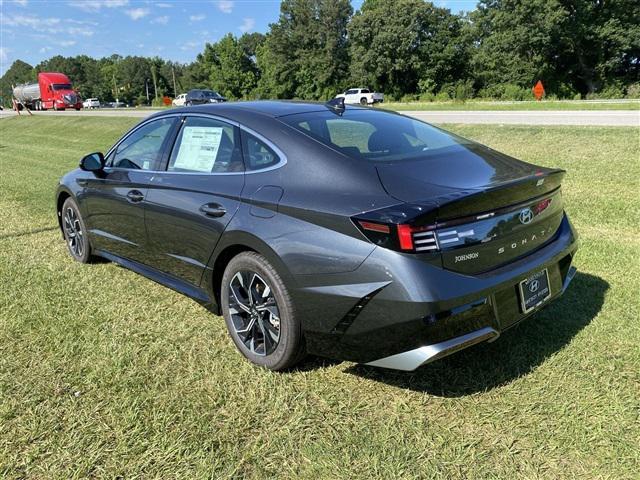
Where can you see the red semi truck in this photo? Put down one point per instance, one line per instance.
(53, 90)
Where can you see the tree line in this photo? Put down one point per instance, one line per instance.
(407, 49)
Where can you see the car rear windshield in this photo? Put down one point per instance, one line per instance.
(375, 135)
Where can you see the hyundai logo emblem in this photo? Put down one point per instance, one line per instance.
(534, 286)
(526, 216)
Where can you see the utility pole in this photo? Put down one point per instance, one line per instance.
(173, 73)
(115, 87)
(146, 86)
(154, 77)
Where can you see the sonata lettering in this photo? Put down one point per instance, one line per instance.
(523, 242)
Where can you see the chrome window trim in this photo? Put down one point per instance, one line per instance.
(282, 157)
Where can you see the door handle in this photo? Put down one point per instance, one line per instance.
(135, 196)
(213, 210)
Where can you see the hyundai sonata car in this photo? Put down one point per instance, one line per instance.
(343, 232)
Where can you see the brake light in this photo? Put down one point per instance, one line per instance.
(405, 237)
(401, 236)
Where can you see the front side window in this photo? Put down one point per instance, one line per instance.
(351, 92)
(206, 145)
(62, 86)
(257, 154)
(142, 150)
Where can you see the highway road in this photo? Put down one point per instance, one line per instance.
(548, 117)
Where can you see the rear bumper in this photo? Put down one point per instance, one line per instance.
(398, 311)
(412, 359)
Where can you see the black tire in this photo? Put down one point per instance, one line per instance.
(363, 101)
(258, 343)
(75, 232)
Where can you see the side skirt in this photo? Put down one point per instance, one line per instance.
(164, 279)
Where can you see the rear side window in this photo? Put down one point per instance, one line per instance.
(258, 154)
(206, 145)
(142, 150)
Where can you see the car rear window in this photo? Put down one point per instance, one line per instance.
(375, 135)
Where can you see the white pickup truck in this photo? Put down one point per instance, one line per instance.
(363, 96)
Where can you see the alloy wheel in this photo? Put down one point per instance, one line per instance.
(73, 231)
(254, 312)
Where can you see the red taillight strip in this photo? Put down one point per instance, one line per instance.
(374, 227)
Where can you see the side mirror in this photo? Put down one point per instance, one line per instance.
(93, 162)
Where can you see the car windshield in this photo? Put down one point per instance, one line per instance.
(375, 135)
(210, 94)
(61, 86)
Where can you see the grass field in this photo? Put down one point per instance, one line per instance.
(104, 374)
(524, 105)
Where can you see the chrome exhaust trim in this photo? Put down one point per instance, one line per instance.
(412, 359)
(570, 274)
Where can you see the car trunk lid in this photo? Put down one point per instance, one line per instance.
(480, 209)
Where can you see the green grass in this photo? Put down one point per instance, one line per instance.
(524, 105)
(104, 374)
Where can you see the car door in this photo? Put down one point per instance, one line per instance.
(190, 204)
(115, 197)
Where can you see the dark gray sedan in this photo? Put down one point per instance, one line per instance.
(339, 231)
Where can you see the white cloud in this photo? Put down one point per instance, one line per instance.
(225, 6)
(4, 54)
(22, 3)
(84, 31)
(49, 25)
(28, 21)
(197, 18)
(163, 20)
(137, 13)
(164, 5)
(95, 5)
(66, 43)
(247, 25)
(189, 46)
(45, 49)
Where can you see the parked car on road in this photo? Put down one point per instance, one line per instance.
(114, 105)
(362, 96)
(91, 103)
(345, 232)
(199, 97)
(179, 100)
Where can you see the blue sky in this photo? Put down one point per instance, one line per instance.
(33, 30)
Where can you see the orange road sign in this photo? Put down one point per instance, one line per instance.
(538, 90)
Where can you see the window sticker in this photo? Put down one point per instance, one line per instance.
(198, 148)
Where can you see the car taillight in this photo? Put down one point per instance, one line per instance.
(402, 237)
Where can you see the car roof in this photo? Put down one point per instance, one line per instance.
(271, 108)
